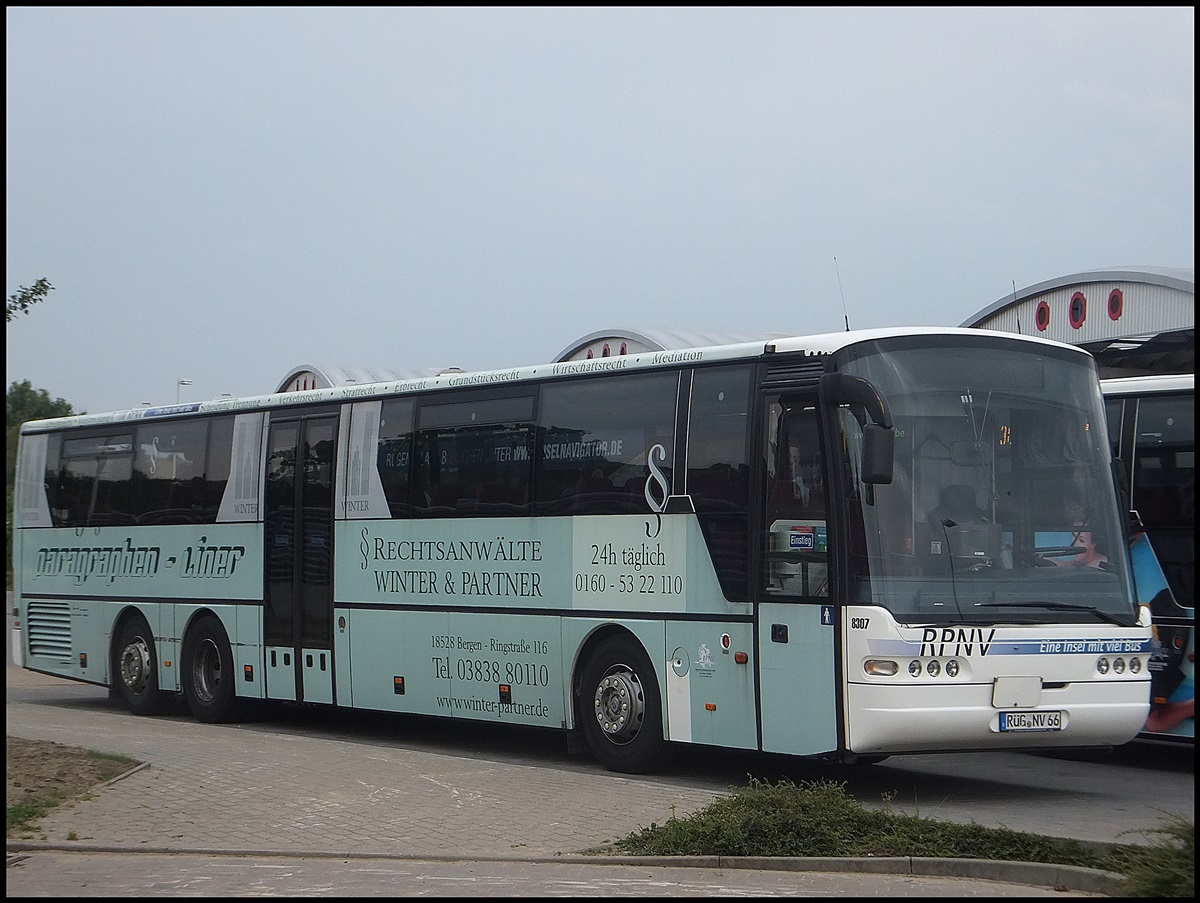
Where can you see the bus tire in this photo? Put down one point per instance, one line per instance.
(135, 669)
(620, 708)
(208, 682)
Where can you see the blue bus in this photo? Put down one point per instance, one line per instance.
(1152, 430)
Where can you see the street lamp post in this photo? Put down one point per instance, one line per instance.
(179, 384)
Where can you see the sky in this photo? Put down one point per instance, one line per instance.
(221, 195)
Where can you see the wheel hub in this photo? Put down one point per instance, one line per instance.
(620, 705)
(135, 665)
(206, 670)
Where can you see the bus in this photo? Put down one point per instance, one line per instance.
(842, 546)
(1152, 430)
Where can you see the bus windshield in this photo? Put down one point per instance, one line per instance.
(1002, 506)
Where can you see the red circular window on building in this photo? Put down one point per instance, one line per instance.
(1042, 317)
(1078, 311)
(1116, 304)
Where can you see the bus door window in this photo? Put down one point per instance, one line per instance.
(279, 503)
(298, 532)
(797, 536)
(320, 439)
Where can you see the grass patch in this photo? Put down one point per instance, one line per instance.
(820, 819)
(24, 816)
(42, 775)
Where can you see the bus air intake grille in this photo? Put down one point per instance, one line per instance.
(49, 627)
(799, 372)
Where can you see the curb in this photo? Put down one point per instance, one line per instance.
(1059, 877)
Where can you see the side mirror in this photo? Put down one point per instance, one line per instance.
(838, 389)
(879, 446)
(879, 437)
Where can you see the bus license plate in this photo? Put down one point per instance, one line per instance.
(1030, 721)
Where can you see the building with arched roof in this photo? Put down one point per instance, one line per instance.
(325, 376)
(1133, 320)
(605, 343)
(616, 342)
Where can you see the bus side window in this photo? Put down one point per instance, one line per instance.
(394, 456)
(594, 444)
(93, 485)
(718, 470)
(217, 467)
(474, 457)
(168, 468)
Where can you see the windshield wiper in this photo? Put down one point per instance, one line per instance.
(1059, 606)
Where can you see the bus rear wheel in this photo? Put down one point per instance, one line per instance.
(620, 708)
(135, 669)
(208, 673)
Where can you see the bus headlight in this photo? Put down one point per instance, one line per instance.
(1119, 665)
(880, 667)
(934, 668)
(952, 668)
(1102, 665)
(1135, 665)
(914, 668)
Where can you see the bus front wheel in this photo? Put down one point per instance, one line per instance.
(620, 708)
(208, 673)
(135, 669)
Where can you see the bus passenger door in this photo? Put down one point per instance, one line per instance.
(796, 637)
(298, 540)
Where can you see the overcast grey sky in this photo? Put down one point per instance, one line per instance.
(224, 194)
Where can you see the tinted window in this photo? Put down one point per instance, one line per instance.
(217, 465)
(164, 472)
(88, 482)
(168, 472)
(595, 437)
(474, 457)
(718, 478)
(1164, 469)
(393, 458)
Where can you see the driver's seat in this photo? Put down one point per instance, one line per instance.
(957, 504)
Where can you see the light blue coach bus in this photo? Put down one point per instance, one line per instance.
(843, 546)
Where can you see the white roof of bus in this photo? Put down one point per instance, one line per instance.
(675, 340)
(833, 341)
(825, 343)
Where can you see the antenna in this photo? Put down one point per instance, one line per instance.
(843, 294)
